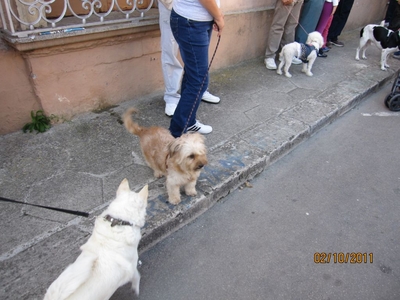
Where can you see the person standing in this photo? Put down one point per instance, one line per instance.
(282, 29)
(338, 22)
(171, 67)
(192, 22)
(390, 11)
(392, 20)
(309, 16)
(325, 22)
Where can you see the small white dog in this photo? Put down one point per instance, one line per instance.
(109, 258)
(388, 41)
(306, 52)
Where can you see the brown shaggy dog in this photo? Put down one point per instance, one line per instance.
(180, 159)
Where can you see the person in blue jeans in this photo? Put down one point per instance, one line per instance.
(192, 22)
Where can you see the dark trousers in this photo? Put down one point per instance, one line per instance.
(390, 10)
(340, 19)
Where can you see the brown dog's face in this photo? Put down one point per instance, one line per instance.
(196, 161)
(189, 152)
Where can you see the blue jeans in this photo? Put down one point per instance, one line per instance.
(193, 38)
(309, 17)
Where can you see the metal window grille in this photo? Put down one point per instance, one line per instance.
(30, 18)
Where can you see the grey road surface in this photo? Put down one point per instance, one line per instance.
(321, 223)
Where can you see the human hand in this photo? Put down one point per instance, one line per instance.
(219, 25)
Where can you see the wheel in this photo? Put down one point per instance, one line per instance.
(388, 97)
(395, 83)
(394, 103)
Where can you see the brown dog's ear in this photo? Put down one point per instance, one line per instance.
(174, 147)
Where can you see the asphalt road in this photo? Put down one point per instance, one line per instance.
(321, 223)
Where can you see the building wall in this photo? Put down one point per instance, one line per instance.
(76, 77)
(17, 96)
(366, 12)
(95, 74)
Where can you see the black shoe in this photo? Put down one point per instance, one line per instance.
(337, 43)
(321, 53)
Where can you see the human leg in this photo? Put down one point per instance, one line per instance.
(323, 22)
(291, 23)
(193, 39)
(339, 20)
(279, 19)
(325, 33)
(324, 18)
(309, 16)
(390, 10)
(171, 66)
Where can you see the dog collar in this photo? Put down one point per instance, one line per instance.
(115, 221)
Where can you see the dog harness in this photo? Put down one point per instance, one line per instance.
(305, 51)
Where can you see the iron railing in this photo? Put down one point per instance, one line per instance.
(29, 18)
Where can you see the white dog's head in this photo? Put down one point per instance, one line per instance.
(128, 205)
(315, 38)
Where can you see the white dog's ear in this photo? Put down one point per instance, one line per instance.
(144, 194)
(123, 187)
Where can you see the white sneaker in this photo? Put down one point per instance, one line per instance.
(270, 63)
(170, 109)
(210, 98)
(296, 61)
(200, 128)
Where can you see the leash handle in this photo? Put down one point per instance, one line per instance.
(73, 212)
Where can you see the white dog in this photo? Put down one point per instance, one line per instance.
(306, 52)
(109, 258)
(385, 39)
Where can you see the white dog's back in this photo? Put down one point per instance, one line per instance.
(72, 278)
(109, 258)
(84, 279)
(289, 51)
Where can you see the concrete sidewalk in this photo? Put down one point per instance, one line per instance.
(78, 165)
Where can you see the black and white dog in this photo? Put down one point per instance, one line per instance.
(385, 39)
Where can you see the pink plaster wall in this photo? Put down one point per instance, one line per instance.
(245, 37)
(97, 74)
(365, 12)
(245, 5)
(17, 97)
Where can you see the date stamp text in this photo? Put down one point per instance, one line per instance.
(343, 258)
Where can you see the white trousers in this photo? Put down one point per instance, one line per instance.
(171, 66)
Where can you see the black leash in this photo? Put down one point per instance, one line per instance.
(202, 84)
(72, 212)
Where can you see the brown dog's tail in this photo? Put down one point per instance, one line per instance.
(131, 126)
